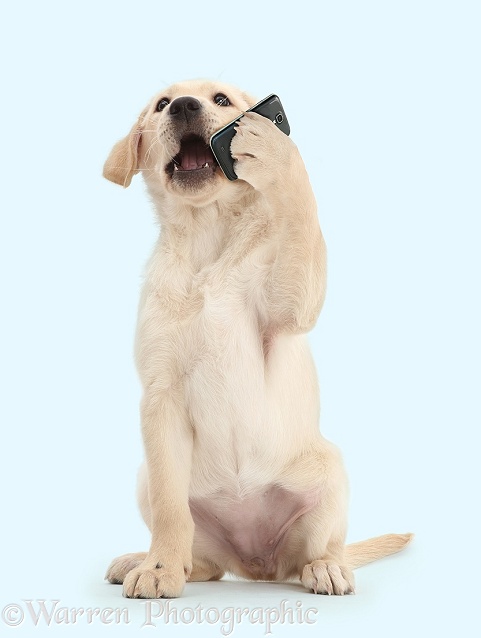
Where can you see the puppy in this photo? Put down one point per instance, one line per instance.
(237, 477)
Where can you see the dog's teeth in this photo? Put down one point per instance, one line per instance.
(206, 165)
(176, 167)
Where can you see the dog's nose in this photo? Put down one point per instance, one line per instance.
(187, 107)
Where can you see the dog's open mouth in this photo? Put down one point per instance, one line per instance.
(193, 162)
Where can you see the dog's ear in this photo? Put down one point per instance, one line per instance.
(123, 162)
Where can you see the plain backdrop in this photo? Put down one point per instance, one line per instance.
(383, 99)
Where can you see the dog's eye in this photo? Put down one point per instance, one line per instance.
(161, 104)
(221, 100)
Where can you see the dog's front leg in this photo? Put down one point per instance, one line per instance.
(268, 160)
(168, 447)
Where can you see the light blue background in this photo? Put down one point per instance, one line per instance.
(384, 103)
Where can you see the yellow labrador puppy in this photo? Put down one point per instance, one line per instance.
(237, 477)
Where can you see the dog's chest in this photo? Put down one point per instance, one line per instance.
(195, 312)
(200, 337)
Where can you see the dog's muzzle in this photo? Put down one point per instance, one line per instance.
(193, 163)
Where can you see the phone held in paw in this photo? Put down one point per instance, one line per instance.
(269, 107)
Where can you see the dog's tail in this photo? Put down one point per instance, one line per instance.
(364, 552)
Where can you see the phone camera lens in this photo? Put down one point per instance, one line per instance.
(279, 118)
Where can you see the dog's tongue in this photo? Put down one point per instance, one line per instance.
(195, 155)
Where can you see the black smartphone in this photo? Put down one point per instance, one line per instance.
(270, 107)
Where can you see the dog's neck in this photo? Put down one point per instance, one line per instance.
(199, 234)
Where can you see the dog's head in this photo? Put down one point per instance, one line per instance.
(170, 141)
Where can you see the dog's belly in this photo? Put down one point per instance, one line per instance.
(253, 529)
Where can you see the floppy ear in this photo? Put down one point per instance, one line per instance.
(123, 162)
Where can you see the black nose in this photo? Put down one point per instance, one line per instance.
(187, 107)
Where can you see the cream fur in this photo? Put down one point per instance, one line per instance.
(230, 398)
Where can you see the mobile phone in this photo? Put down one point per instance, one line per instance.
(269, 107)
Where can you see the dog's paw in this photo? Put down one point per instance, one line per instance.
(153, 583)
(326, 577)
(122, 565)
(262, 152)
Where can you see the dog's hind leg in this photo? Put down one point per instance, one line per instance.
(122, 565)
(203, 570)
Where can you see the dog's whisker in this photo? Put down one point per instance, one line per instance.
(149, 150)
